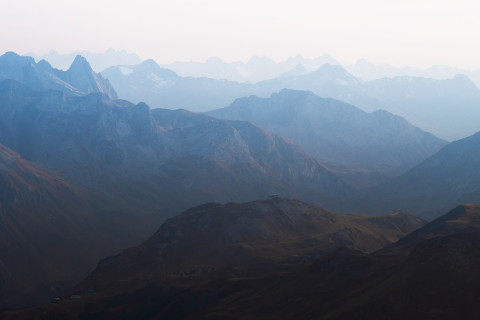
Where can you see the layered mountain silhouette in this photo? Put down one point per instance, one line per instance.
(163, 88)
(254, 70)
(171, 160)
(430, 273)
(98, 61)
(83, 174)
(52, 233)
(79, 79)
(447, 108)
(368, 71)
(207, 256)
(337, 132)
(441, 182)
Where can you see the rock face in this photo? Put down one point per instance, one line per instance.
(81, 76)
(78, 80)
(52, 233)
(431, 273)
(171, 159)
(337, 132)
(441, 182)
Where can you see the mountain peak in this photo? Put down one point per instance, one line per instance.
(462, 219)
(81, 76)
(214, 60)
(12, 59)
(260, 59)
(81, 62)
(292, 92)
(331, 67)
(150, 63)
(468, 214)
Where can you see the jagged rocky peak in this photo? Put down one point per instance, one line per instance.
(152, 66)
(81, 75)
(80, 63)
(79, 79)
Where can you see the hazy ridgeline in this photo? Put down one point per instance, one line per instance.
(204, 171)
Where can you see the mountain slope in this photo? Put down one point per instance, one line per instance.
(162, 88)
(441, 182)
(337, 132)
(52, 233)
(167, 159)
(447, 108)
(210, 253)
(430, 274)
(79, 79)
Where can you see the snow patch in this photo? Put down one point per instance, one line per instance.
(125, 71)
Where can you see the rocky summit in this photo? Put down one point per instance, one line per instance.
(79, 79)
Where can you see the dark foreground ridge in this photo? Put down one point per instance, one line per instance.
(218, 259)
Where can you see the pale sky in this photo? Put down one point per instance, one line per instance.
(416, 33)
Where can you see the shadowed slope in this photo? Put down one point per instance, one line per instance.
(51, 232)
(207, 256)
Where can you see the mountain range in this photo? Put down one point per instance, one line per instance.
(52, 233)
(447, 108)
(204, 257)
(84, 174)
(448, 178)
(337, 132)
(368, 71)
(98, 61)
(79, 79)
(173, 159)
(177, 274)
(429, 273)
(254, 70)
(163, 88)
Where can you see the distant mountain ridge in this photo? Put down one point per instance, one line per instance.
(337, 132)
(175, 159)
(368, 71)
(448, 178)
(98, 61)
(447, 108)
(254, 70)
(79, 79)
(163, 88)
